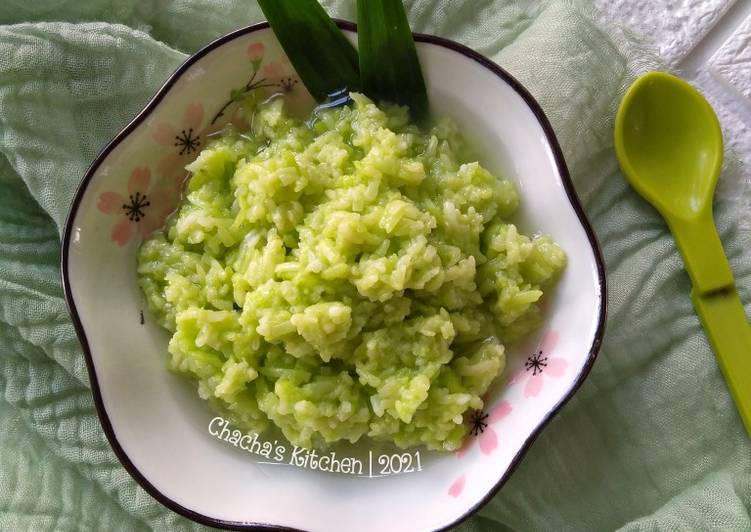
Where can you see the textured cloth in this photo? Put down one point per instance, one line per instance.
(650, 442)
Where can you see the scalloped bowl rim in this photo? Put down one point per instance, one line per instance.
(562, 172)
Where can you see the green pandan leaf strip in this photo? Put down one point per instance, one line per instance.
(318, 50)
(389, 67)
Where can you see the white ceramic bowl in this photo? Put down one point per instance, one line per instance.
(155, 421)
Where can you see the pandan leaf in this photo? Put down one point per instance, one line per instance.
(389, 67)
(318, 50)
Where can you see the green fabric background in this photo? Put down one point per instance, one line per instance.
(652, 440)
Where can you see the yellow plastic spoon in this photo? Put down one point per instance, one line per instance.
(669, 144)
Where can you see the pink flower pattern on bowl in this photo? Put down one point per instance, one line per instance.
(540, 365)
(143, 209)
(146, 210)
(184, 140)
(276, 76)
(457, 486)
(481, 429)
(278, 73)
(188, 137)
(480, 425)
(255, 51)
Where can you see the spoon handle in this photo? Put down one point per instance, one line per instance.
(702, 252)
(729, 333)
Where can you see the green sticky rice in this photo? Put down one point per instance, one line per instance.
(348, 276)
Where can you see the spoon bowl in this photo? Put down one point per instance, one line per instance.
(670, 144)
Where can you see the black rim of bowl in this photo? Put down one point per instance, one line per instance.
(143, 114)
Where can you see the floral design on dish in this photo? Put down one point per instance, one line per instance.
(187, 138)
(281, 75)
(255, 52)
(480, 428)
(142, 210)
(278, 72)
(457, 486)
(541, 365)
(187, 142)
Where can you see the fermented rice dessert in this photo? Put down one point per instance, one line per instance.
(350, 276)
